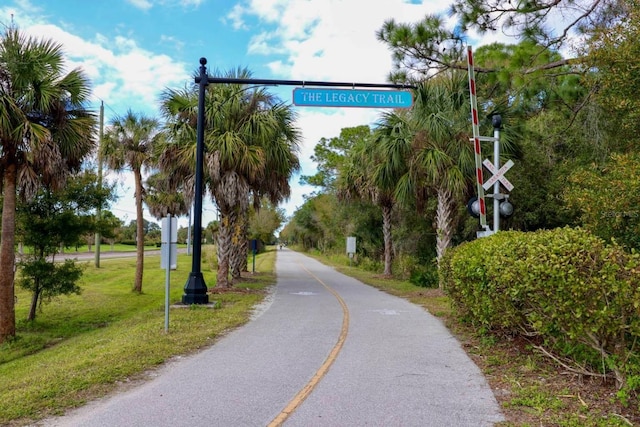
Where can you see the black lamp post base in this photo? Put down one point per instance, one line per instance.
(195, 290)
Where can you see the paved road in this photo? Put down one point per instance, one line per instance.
(324, 350)
(106, 254)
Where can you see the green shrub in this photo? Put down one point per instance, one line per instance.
(425, 274)
(566, 286)
(613, 213)
(416, 270)
(369, 264)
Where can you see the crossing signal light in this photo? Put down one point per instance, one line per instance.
(473, 207)
(506, 209)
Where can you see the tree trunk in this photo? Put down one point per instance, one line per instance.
(225, 234)
(8, 256)
(34, 304)
(137, 286)
(444, 226)
(239, 248)
(388, 244)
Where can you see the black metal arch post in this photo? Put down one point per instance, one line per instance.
(195, 290)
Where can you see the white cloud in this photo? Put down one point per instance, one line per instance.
(148, 4)
(122, 72)
(268, 10)
(191, 3)
(172, 41)
(329, 40)
(235, 16)
(279, 68)
(27, 6)
(262, 44)
(141, 4)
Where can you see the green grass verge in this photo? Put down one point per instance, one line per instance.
(83, 346)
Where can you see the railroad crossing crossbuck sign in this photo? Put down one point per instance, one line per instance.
(498, 175)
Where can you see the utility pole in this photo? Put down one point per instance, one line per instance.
(99, 210)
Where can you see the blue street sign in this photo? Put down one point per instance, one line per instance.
(315, 97)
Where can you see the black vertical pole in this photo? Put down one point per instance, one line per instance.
(195, 290)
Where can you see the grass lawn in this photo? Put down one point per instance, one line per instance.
(83, 346)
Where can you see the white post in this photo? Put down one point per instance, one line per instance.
(167, 244)
(496, 121)
(98, 237)
(496, 186)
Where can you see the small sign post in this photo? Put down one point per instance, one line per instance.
(169, 242)
(254, 250)
(351, 247)
(168, 258)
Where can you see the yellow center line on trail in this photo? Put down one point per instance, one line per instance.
(322, 371)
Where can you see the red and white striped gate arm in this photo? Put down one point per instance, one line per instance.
(476, 139)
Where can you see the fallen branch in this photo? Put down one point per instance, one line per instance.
(573, 369)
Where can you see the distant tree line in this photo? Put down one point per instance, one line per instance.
(401, 185)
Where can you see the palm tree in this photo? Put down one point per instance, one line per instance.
(442, 158)
(279, 145)
(45, 133)
(166, 195)
(130, 143)
(371, 171)
(254, 146)
(247, 130)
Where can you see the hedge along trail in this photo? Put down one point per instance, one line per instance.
(579, 295)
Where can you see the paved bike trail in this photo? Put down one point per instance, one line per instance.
(323, 350)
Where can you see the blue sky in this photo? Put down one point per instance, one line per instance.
(133, 49)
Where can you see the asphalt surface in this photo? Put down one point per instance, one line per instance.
(107, 254)
(359, 356)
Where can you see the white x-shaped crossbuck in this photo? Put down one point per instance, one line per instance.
(498, 175)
